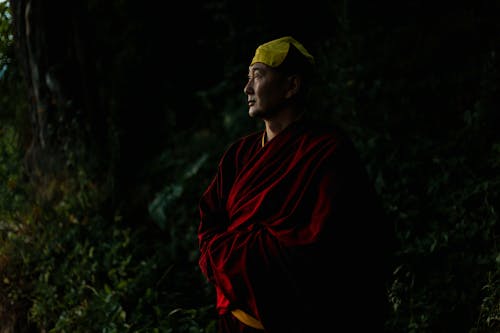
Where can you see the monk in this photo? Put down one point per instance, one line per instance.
(291, 233)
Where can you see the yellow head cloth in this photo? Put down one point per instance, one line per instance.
(274, 52)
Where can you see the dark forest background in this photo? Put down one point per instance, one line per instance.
(113, 115)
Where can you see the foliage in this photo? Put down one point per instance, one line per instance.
(6, 38)
(79, 271)
(419, 100)
(12, 102)
(433, 158)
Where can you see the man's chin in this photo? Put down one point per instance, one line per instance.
(253, 113)
(259, 113)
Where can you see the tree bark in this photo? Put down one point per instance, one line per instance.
(67, 126)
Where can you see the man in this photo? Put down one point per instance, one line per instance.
(291, 234)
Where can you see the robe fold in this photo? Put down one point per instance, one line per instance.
(291, 233)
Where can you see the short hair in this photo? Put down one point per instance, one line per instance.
(296, 64)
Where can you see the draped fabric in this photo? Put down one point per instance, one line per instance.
(291, 233)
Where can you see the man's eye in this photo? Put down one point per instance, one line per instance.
(254, 76)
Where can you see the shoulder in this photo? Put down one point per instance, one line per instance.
(241, 147)
(317, 132)
(335, 145)
(244, 143)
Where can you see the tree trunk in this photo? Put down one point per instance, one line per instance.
(67, 125)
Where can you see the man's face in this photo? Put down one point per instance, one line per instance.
(265, 90)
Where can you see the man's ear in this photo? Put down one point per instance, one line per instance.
(294, 82)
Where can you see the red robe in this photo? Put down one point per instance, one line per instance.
(291, 233)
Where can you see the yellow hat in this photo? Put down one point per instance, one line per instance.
(274, 52)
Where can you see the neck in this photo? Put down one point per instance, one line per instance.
(277, 124)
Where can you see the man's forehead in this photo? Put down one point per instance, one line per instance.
(258, 66)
